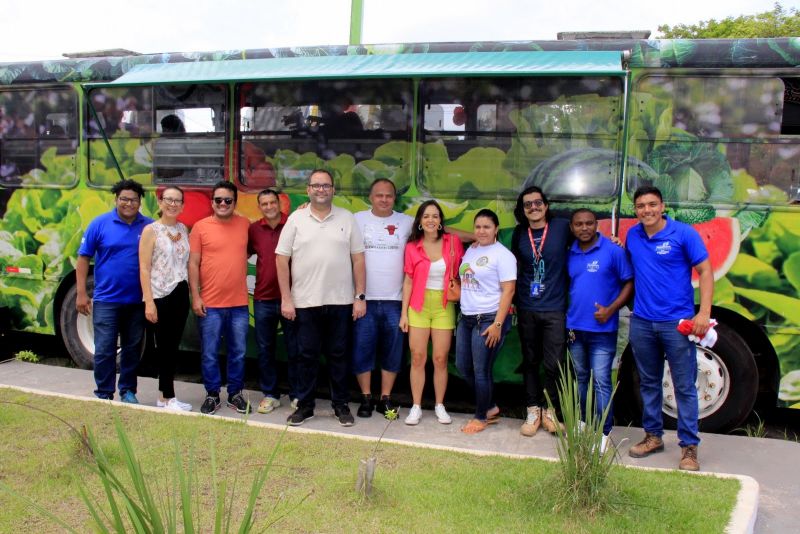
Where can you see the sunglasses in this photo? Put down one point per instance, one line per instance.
(219, 200)
(528, 204)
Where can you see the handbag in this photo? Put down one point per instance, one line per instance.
(454, 284)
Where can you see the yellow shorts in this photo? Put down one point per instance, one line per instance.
(432, 314)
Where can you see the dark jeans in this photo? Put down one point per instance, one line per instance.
(542, 337)
(651, 342)
(267, 316)
(172, 312)
(592, 356)
(232, 324)
(323, 330)
(111, 320)
(475, 360)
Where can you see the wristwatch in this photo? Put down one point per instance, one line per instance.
(361, 296)
(499, 325)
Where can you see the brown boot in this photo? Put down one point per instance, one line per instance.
(649, 445)
(550, 422)
(532, 421)
(689, 459)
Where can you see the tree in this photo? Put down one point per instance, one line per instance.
(776, 23)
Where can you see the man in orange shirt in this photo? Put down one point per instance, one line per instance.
(218, 282)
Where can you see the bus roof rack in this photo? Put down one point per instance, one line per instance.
(110, 52)
(594, 36)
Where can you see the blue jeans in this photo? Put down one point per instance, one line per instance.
(267, 316)
(474, 360)
(232, 324)
(111, 320)
(592, 355)
(651, 341)
(323, 330)
(378, 329)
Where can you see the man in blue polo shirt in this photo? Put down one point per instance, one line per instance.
(600, 284)
(663, 252)
(116, 305)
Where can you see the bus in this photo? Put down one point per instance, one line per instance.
(715, 124)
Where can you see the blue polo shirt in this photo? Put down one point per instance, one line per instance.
(662, 268)
(554, 252)
(596, 275)
(114, 244)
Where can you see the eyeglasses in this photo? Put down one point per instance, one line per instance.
(128, 200)
(172, 201)
(219, 200)
(528, 204)
(320, 187)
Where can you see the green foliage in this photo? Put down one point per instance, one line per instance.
(759, 430)
(585, 470)
(776, 23)
(27, 356)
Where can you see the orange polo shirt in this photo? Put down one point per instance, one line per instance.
(222, 246)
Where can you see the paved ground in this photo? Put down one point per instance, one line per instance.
(774, 464)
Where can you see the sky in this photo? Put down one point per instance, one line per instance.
(44, 29)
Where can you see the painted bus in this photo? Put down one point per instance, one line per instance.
(715, 124)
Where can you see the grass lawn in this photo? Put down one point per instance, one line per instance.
(416, 489)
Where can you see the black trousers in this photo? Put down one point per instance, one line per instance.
(543, 339)
(172, 312)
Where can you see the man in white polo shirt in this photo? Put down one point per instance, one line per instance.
(327, 260)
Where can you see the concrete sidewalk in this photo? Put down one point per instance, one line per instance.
(774, 464)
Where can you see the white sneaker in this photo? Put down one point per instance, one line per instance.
(174, 404)
(414, 415)
(581, 426)
(604, 443)
(442, 415)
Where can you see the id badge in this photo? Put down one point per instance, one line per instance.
(536, 289)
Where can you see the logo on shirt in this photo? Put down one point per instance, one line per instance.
(483, 260)
(383, 237)
(593, 266)
(663, 248)
(468, 280)
(390, 228)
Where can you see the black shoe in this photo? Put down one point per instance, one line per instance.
(343, 414)
(210, 405)
(300, 416)
(385, 405)
(238, 403)
(365, 408)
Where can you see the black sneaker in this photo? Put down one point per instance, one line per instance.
(210, 405)
(385, 405)
(365, 408)
(300, 416)
(343, 414)
(238, 403)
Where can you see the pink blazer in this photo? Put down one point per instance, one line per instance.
(417, 264)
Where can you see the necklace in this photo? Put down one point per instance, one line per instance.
(173, 237)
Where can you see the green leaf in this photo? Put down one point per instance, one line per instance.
(787, 307)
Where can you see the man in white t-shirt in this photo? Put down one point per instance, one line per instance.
(385, 234)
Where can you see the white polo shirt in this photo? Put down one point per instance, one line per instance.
(322, 271)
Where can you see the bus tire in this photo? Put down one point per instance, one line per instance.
(77, 331)
(727, 382)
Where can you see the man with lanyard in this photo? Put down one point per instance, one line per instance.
(262, 240)
(323, 291)
(116, 305)
(601, 282)
(540, 245)
(663, 252)
(385, 234)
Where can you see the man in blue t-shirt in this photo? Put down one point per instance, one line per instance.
(663, 253)
(116, 305)
(601, 282)
(540, 244)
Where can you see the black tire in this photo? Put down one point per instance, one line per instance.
(730, 366)
(77, 332)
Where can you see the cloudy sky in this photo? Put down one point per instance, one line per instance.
(44, 29)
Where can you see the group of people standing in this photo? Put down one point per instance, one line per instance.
(349, 287)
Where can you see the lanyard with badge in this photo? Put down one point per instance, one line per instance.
(537, 285)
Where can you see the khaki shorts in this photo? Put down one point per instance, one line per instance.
(432, 314)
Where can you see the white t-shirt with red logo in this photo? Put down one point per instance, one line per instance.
(384, 244)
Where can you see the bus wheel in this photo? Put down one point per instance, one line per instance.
(727, 385)
(77, 331)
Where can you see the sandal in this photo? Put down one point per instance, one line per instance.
(474, 426)
(493, 418)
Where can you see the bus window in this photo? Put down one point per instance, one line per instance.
(163, 134)
(357, 129)
(38, 137)
(720, 140)
(488, 138)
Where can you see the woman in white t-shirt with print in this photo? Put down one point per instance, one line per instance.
(488, 278)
